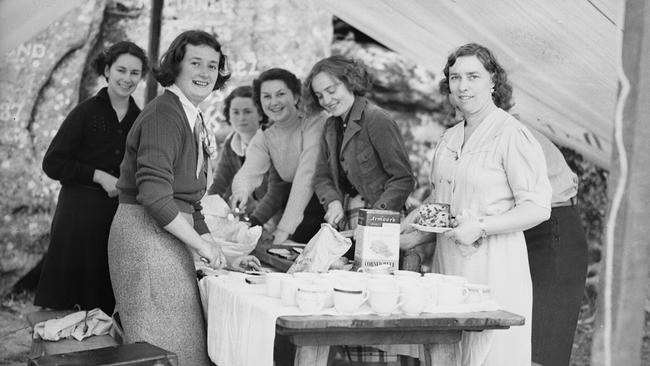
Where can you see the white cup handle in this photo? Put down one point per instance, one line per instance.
(364, 298)
(400, 302)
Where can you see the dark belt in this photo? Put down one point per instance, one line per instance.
(570, 202)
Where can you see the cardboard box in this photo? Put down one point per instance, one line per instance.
(377, 238)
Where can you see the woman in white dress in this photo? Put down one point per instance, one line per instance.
(492, 172)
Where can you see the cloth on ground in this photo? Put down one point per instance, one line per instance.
(79, 325)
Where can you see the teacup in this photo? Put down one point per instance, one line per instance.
(274, 283)
(289, 287)
(434, 214)
(404, 273)
(430, 284)
(414, 297)
(311, 298)
(383, 296)
(307, 276)
(328, 284)
(382, 268)
(452, 291)
(477, 293)
(348, 298)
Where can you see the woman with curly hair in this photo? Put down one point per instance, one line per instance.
(363, 158)
(492, 172)
(288, 150)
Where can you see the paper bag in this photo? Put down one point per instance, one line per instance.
(325, 248)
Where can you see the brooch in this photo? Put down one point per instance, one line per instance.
(209, 144)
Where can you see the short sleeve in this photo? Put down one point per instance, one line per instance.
(525, 167)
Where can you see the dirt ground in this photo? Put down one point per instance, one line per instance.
(15, 335)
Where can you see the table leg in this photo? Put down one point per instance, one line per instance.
(442, 354)
(312, 355)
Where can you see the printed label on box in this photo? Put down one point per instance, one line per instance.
(377, 238)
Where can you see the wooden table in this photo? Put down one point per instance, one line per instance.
(439, 333)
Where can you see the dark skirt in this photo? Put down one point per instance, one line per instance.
(313, 217)
(557, 254)
(75, 268)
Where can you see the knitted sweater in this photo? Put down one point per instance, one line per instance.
(159, 166)
(292, 148)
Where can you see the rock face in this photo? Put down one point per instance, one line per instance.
(44, 78)
(39, 81)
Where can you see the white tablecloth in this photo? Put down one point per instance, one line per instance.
(241, 319)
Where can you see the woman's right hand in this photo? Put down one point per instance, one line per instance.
(107, 181)
(334, 213)
(238, 200)
(211, 251)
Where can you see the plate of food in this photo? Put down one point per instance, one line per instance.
(431, 229)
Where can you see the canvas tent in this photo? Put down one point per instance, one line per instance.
(561, 55)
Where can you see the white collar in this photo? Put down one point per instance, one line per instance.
(237, 144)
(191, 111)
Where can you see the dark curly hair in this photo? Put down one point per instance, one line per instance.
(107, 57)
(276, 73)
(170, 61)
(245, 91)
(502, 95)
(352, 73)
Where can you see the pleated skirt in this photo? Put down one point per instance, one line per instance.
(155, 286)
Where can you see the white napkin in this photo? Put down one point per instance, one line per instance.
(79, 325)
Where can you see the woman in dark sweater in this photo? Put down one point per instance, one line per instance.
(85, 156)
(158, 224)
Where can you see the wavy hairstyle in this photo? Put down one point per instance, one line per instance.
(107, 57)
(290, 80)
(502, 95)
(170, 61)
(245, 91)
(351, 72)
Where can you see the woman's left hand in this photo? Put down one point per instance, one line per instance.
(466, 231)
(246, 263)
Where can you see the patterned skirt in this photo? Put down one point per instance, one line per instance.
(154, 281)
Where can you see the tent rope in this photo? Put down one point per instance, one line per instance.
(616, 204)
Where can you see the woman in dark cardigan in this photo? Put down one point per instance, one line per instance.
(245, 118)
(85, 156)
(158, 224)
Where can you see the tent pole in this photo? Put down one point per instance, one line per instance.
(624, 278)
(154, 46)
